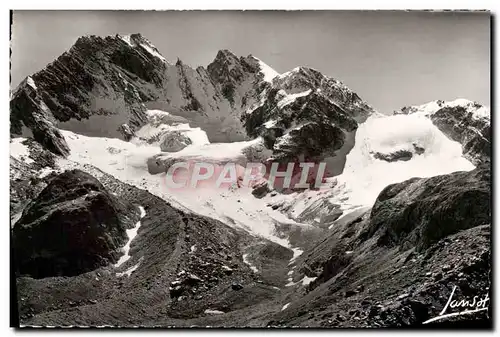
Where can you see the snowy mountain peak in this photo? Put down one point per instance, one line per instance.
(475, 109)
(226, 56)
(305, 71)
(463, 121)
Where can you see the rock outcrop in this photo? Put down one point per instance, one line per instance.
(398, 263)
(306, 116)
(419, 212)
(174, 141)
(73, 226)
(463, 126)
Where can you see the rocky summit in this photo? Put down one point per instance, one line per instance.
(397, 222)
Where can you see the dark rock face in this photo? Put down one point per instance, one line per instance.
(311, 140)
(230, 72)
(94, 88)
(306, 115)
(24, 107)
(174, 141)
(261, 190)
(419, 212)
(473, 133)
(402, 155)
(73, 226)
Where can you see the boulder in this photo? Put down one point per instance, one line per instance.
(259, 191)
(402, 155)
(73, 226)
(174, 141)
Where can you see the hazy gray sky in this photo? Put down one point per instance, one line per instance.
(391, 59)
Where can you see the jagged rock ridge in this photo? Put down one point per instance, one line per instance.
(103, 86)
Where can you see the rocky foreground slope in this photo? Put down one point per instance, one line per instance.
(396, 264)
(181, 265)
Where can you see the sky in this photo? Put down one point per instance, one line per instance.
(390, 59)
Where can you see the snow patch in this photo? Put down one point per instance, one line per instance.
(31, 83)
(252, 267)
(226, 268)
(285, 306)
(127, 39)
(306, 280)
(365, 176)
(268, 72)
(290, 98)
(129, 271)
(20, 151)
(482, 113)
(131, 233)
(153, 52)
(214, 312)
(45, 172)
(288, 73)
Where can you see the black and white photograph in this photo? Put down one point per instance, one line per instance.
(326, 169)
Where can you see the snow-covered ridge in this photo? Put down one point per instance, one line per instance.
(268, 72)
(477, 110)
(290, 72)
(127, 39)
(153, 52)
(247, 261)
(135, 40)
